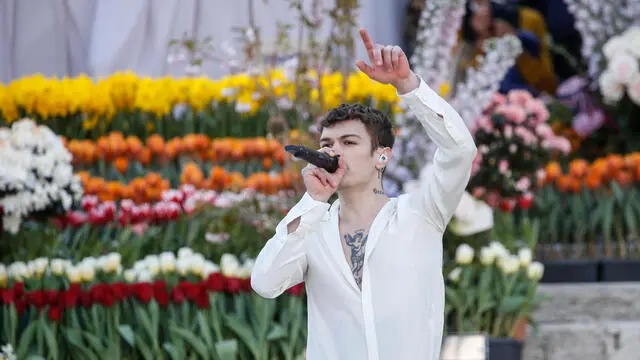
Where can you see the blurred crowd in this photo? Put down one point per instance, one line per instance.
(551, 44)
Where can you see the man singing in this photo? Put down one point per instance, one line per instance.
(372, 265)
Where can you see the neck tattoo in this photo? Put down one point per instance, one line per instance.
(378, 191)
(356, 243)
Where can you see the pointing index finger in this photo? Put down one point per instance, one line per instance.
(368, 44)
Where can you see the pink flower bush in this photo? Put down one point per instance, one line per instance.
(514, 143)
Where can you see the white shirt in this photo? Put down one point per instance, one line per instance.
(399, 314)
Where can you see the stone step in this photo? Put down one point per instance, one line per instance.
(589, 302)
(609, 340)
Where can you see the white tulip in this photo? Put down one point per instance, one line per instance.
(487, 256)
(454, 275)
(464, 254)
(152, 264)
(498, 249)
(40, 266)
(229, 265)
(182, 266)
(196, 264)
(74, 275)
(145, 276)
(535, 271)
(130, 275)
(167, 262)
(184, 252)
(87, 272)
(58, 266)
(18, 271)
(209, 268)
(509, 264)
(111, 262)
(139, 265)
(526, 256)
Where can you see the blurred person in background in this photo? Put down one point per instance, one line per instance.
(534, 68)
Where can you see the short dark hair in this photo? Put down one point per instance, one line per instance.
(378, 125)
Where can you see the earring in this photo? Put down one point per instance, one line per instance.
(382, 158)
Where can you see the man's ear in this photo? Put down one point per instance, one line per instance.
(384, 155)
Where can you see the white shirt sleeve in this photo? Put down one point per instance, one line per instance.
(282, 263)
(442, 187)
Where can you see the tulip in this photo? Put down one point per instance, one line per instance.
(487, 256)
(535, 270)
(464, 254)
(526, 256)
(454, 275)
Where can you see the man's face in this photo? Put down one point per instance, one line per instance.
(352, 142)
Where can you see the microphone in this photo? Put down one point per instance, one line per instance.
(317, 158)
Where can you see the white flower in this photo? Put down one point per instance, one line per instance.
(74, 275)
(87, 272)
(454, 275)
(209, 268)
(196, 264)
(611, 89)
(130, 275)
(464, 254)
(509, 264)
(6, 352)
(623, 67)
(145, 276)
(18, 271)
(498, 249)
(633, 88)
(535, 271)
(229, 265)
(152, 264)
(487, 256)
(182, 266)
(111, 262)
(184, 252)
(39, 266)
(167, 262)
(616, 45)
(526, 256)
(58, 266)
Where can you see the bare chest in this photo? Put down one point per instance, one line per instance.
(354, 242)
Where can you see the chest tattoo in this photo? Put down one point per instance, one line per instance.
(356, 242)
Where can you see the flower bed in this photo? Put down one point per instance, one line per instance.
(169, 306)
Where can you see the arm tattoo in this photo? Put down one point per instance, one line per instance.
(356, 242)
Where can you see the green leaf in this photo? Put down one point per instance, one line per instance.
(74, 336)
(192, 340)
(25, 340)
(173, 352)
(127, 334)
(50, 338)
(512, 304)
(95, 342)
(141, 345)
(227, 349)
(204, 330)
(243, 331)
(277, 332)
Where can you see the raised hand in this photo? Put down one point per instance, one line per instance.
(389, 64)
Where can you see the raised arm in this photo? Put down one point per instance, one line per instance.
(442, 188)
(282, 263)
(447, 177)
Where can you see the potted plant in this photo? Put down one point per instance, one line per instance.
(589, 216)
(493, 293)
